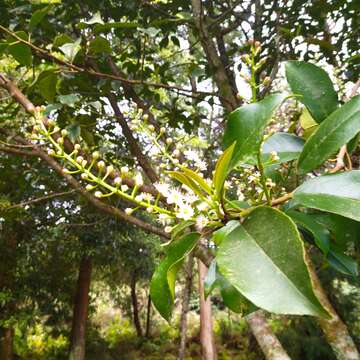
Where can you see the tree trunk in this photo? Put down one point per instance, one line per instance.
(6, 344)
(185, 306)
(148, 318)
(207, 340)
(81, 306)
(335, 330)
(135, 307)
(268, 342)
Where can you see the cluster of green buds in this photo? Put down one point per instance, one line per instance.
(255, 64)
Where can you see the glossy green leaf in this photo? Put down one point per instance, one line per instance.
(219, 235)
(185, 180)
(315, 87)
(307, 123)
(222, 169)
(69, 100)
(38, 16)
(162, 287)
(47, 87)
(337, 193)
(74, 131)
(197, 178)
(264, 259)
(246, 126)
(335, 131)
(320, 233)
(343, 230)
(342, 263)
(287, 146)
(20, 51)
(99, 45)
(231, 297)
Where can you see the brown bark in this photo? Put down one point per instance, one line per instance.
(268, 342)
(208, 349)
(185, 306)
(135, 306)
(335, 330)
(148, 318)
(81, 306)
(6, 344)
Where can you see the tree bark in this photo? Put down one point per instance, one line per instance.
(148, 318)
(208, 349)
(185, 306)
(135, 307)
(335, 330)
(6, 344)
(81, 306)
(268, 342)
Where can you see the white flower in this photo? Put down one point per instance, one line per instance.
(185, 212)
(162, 188)
(201, 165)
(164, 219)
(124, 169)
(192, 155)
(117, 181)
(98, 194)
(148, 197)
(139, 180)
(124, 188)
(168, 229)
(175, 197)
(203, 206)
(201, 222)
(139, 197)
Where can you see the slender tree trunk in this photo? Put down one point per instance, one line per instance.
(135, 307)
(185, 306)
(268, 342)
(81, 306)
(148, 318)
(6, 344)
(335, 329)
(207, 340)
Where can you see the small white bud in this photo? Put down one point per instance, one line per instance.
(162, 130)
(168, 229)
(109, 169)
(89, 187)
(117, 181)
(95, 155)
(84, 176)
(51, 122)
(139, 180)
(128, 211)
(101, 165)
(146, 118)
(60, 140)
(56, 129)
(51, 152)
(150, 209)
(169, 141)
(77, 147)
(151, 128)
(79, 159)
(176, 153)
(98, 194)
(64, 133)
(176, 161)
(124, 169)
(83, 163)
(66, 171)
(124, 188)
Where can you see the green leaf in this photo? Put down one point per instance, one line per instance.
(320, 233)
(219, 235)
(74, 131)
(287, 146)
(71, 49)
(337, 193)
(162, 287)
(38, 16)
(114, 25)
(182, 178)
(335, 131)
(307, 123)
(343, 230)
(246, 126)
(315, 86)
(264, 260)
(19, 51)
(69, 100)
(222, 169)
(342, 263)
(197, 178)
(62, 39)
(47, 87)
(231, 297)
(99, 45)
